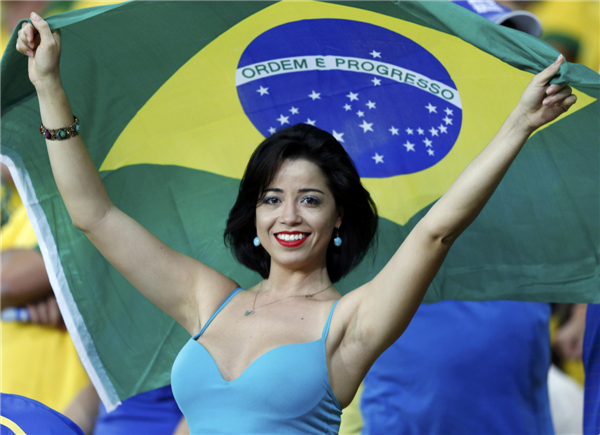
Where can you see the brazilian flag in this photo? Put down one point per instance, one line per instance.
(173, 97)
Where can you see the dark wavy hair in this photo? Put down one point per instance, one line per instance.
(303, 141)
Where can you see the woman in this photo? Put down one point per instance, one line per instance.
(288, 354)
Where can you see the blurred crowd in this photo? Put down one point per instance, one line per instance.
(516, 347)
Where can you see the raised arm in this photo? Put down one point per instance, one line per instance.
(377, 313)
(174, 282)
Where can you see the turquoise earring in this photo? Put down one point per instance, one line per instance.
(256, 241)
(337, 241)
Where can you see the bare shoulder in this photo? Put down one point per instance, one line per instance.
(344, 312)
(211, 289)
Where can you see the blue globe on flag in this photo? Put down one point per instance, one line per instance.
(387, 100)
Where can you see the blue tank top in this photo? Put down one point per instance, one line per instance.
(285, 390)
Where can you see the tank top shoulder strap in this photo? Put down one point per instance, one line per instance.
(231, 295)
(326, 328)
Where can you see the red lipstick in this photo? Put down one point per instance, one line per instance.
(294, 243)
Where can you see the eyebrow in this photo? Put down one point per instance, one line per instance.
(309, 189)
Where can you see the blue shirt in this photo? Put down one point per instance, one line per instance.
(154, 412)
(464, 368)
(591, 363)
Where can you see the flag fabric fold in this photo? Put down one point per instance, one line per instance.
(173, 97)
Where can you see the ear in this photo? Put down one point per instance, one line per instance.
(338, 220)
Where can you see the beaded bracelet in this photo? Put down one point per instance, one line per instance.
(61, 133)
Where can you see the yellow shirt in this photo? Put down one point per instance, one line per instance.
(571, 23)
(36, 361)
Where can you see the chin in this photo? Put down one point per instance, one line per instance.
(292, 260)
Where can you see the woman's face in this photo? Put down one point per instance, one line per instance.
(297, 206)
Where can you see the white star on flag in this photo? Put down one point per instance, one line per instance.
(366, 126)
(370, 105)
(376, 81)
(447, 120)
(352, 96)
(360, 113)
(430, 152)
(431, 108)
(311, 121)
(294, 110)
(420, 131)
(394, 131)
(375, 54)
(427, 142)
(433, 131)
(448, 111)
(283, 119)
(409, 146)
(347, 107)
(338, 136)
(443, 128)
(263, 91)
(409, 131)
(315, 96)
(377, 158)
(271, 130)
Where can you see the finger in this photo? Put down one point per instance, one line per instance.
(43, 312)
(568, 102)
(43, 28)
(33, 314)
(22, 42)
(27, 34)
(557, 87)
(36, 41)
(54, 312)
(564, 93)
(544, 76)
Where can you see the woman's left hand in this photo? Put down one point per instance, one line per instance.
(541, 102)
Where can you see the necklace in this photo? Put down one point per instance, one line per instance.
(251, 310)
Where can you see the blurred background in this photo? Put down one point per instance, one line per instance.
(38, 359)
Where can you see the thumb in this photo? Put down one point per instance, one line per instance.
(546, 75)
(56, 33)
(42, 27)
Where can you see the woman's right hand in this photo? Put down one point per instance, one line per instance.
(43, 48)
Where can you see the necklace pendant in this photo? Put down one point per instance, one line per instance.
(248, 312)
(310, 295)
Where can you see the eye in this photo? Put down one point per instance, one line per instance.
(311, 200)
(270, 200)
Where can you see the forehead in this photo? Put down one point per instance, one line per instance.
(299, 173)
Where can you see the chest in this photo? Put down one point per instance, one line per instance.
(286, 387)
(288, 382)
(234, 342)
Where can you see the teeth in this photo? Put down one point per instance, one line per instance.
(291, 237)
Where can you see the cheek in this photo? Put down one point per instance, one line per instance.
(263, 222)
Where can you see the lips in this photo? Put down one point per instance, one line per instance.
(292, 243)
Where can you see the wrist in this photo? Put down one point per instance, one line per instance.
(48, 85)
(519, 123)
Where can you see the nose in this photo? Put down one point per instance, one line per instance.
(289, 214)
